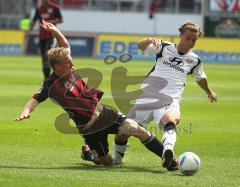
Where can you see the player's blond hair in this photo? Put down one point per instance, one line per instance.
(56, 54)
(190, 26)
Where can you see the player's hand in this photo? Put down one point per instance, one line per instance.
(156, 42)
(48, 26)
(24, 115)
(212, 96)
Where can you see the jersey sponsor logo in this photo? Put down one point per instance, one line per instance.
(174, 65)
(177, 61)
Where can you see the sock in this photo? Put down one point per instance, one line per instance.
(154, 145)
(169, 136)
(46, 70)
(119, 150)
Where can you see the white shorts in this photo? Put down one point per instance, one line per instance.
(144, 117)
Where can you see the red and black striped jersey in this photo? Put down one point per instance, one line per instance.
(50, 12)
(71, 92)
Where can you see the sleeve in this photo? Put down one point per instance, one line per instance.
(152, 50)
(198, 72)
(36, 15)
(42, 93)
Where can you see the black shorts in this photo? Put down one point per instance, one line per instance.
(98, 140)
(45, 45)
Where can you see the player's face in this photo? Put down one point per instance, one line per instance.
(64, 66)
(188, 39)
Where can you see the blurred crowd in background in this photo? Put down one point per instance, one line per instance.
(11, 11)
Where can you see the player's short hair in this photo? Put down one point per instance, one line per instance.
(190, 26)
(56, 54)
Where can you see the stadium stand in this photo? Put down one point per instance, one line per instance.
(12, 11)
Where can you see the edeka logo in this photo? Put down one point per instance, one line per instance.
(10, 49)
(118, 47)
(117, 44)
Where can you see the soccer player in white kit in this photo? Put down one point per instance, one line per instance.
(163, 88)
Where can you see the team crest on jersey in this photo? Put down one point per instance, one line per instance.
(68, 85)
(71, 80)
(189, 60)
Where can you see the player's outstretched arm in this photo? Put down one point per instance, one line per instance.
(212, 96)
(29, 107)
(144, 43)
(61, 40)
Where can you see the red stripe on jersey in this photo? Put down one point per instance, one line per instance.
(80, 85)
(74, 91)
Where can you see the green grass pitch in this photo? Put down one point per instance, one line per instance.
(34, 153)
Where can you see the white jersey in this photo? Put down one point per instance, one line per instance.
(170, 71)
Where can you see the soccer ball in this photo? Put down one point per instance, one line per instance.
(188, 163)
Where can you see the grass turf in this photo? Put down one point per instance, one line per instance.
(34, 153)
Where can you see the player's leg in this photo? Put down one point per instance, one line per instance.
(96, 135)
(121, 141)
(98, 151)
(130, 127)
(168, 118)
(169, 122)
(120, 146)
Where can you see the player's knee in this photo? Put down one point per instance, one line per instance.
(170, 119)
(130, 128)
(138, 131)
(125, 128)
(169, 126)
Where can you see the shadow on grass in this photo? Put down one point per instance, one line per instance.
(83, 166)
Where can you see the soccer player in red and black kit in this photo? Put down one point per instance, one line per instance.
(81, 102)
(51, 13)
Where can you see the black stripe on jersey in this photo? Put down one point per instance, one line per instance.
(191, 71)
(159, 55)
(153, 68)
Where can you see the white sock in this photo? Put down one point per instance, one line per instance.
(169, 139)
(119, 151)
